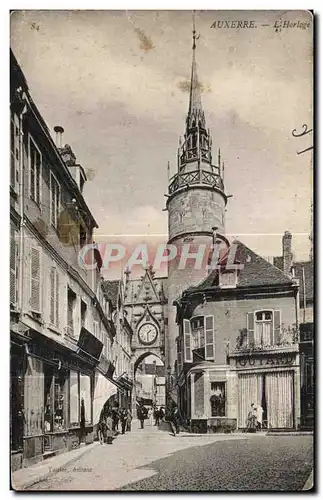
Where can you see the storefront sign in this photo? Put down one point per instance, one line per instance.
(266, 361)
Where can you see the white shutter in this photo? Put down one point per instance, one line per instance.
(35, 280)
(188, 355)
(179, 355)
(57, 298)
(95, 328)
(209, 337)
(13, 267)
(277, 325)
(52, 295)
(251, 328)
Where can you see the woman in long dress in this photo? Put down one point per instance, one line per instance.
(252, 419)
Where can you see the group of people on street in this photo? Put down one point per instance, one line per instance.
(109, 421)
(159, 415)
(254, 420)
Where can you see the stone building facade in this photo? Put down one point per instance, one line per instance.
(60, 324)
(238, 345)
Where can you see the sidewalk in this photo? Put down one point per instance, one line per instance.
(24, 478)
(120, 463)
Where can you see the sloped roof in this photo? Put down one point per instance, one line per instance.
(110, 290)
(256, 271)
(309, 280)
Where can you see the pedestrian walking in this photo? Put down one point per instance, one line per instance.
(141, 415)
(156, 416)
(115, 418)
(129, 420)
(174, 420)
(123, 420)
(259, 412)
(102, 428)
(109, 426)
(161, 413)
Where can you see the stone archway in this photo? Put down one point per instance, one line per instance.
(138, 357)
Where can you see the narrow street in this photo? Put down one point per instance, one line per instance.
(150, 460)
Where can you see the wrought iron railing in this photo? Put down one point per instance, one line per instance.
(287, 337)
(195, 177)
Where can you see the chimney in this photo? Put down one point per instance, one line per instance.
(59, 135)
(287, 252)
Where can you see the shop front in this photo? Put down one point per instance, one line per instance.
(270, 380)
(18, 339)
(58, 395)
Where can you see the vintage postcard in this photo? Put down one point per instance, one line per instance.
(161, 250)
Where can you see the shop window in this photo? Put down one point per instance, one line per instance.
(55, 417)
(80, 399)
(74, 399)
(218, 399)
(85, 394)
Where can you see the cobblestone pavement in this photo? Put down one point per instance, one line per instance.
(154, 460)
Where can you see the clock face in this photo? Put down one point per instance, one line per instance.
(147, 333)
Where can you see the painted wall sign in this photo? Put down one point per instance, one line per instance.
(266, 361)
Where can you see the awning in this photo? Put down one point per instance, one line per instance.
(103, 390)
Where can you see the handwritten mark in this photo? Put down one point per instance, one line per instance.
(301, 134)
(35, 26)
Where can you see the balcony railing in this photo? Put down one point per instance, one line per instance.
(287, 338)
(195, 177)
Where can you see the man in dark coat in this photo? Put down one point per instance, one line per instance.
(141, 415)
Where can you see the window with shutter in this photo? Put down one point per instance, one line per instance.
(34, 171)
(251, 328)
(35, 280)
(55, 195)
(54, 297)
(71, 298)
(209, 338)
(57, 299)
(277, 326)
(188, 355)
(83, 313)
(13, 267)
(14, 151)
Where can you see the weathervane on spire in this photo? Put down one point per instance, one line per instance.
(195, 38)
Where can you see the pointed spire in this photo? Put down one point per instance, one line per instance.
(195, 104)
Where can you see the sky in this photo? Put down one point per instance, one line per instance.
(117, 82)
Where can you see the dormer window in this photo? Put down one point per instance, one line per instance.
(228, 279)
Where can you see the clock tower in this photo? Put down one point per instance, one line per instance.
(145, 304)
(196, 202)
